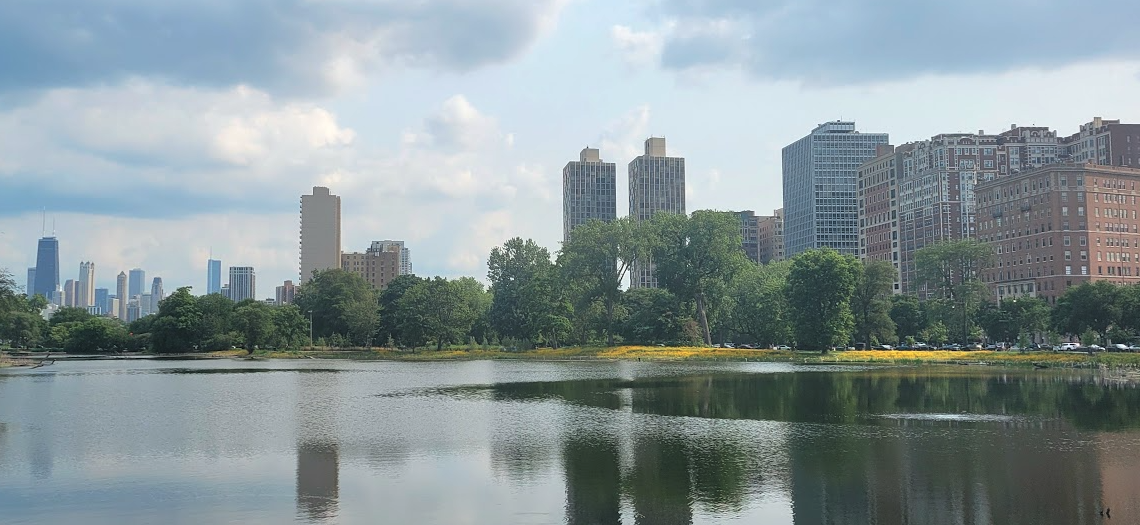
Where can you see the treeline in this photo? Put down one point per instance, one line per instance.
(709, 293)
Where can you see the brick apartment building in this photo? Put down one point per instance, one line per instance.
(1060, 226)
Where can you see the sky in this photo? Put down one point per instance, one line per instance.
(158, 132)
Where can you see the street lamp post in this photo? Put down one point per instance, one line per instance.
(310, 329)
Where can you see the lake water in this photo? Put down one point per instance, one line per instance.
(194, 442)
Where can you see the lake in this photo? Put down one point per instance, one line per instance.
(497, 442)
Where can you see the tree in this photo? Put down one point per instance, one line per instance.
(217, 322)
(254, 321)
(907, 314)
(697, 256)
(598, 257)
(759, 304)
(1089, 307)
(69, 314)
(511, 269)
(391, 317)
(656, 316)
(945, 266)
(819, 290)
(440, 310)
(177, 326)
(96, 335)
(871, 302)
(340, 303)
(290, 328)
(24, 329)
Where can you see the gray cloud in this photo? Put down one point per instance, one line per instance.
(832, 42)
(301, 46)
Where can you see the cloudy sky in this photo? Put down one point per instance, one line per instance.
(155, 131)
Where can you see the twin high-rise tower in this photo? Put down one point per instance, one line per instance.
(656, 184)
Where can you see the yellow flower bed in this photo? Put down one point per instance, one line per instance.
(691, 352)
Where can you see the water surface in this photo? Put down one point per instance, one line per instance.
(580, 443)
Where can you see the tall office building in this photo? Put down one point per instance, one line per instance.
(47, 267)
(156, 294)
(69, 293)
(820, 200)
(134, 310)
(121, 296)
(286, 293)
(30, 289)
(85, 291)
(656, 184)
(102, 297)
(589, 191)
(243, 283)
(213, 276)
(405, 254)
(320, 232)
(136, 283)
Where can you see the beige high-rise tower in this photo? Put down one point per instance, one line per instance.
(121, 292)
(85, 291)
(320, 232)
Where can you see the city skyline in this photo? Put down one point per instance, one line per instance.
(428, 144)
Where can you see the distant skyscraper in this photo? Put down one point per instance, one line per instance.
(213, 276)
(750, 235)
(820, 171)
(156, 294)
(47, 267)
(85, 289)
(320, 232)
(243, 283)
(69, 293)
(121, 295)
(136, 283)
(146, 304)
(134, 312)
(102, 297)
(589, 191)
(286, 293)
(656, 184)
(30, 289)
(226, 291)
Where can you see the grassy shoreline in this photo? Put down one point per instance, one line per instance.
(651, 353)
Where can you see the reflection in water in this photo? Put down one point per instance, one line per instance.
(661, 483)
(593, 480)
(318, 454)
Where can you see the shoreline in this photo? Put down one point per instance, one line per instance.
(1102, 360)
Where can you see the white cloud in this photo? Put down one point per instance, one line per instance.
(638, 48)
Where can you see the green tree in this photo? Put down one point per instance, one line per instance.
(951, 270)
(254, 321)
(217, 322)
(24, 329)
(656, 316)
(96, 335)
(68, 315)
(290, 328)
(511, 269)
(341, 303)
(871, 302)
(1089, 307)
(440, 310)
(759, 305)
(820, 286)
(907, 314)
(697, 256)
(391, 317)
(598, 257)
(177, 326)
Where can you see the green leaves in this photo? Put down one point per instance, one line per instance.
(341, 303)
(820, 286)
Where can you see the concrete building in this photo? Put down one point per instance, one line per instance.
(225, 292)
(47, 267)
(770, 231)
(30, 286)
(1104, 142)
(69, 293)
(136, 282)
(134, 310)
(589, 191)
(378, 265)
(243, 283)
(146, 304)
(820, 201)
(102, 296)
(85, 287)
(405, 253)
(320, 232)
(157, 294)
(213, 276)
(121, 296)
(878, 209)
(286, 293)
(1060, 226)
(656, 185)
(750, 235)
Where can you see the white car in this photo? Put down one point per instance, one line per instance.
(1067, 347)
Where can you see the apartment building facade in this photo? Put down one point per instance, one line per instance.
(770, 233)
(589, 191)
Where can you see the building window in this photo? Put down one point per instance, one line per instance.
(1067, 241)
(1068, 270)
(1064, 211)
(1068, 255)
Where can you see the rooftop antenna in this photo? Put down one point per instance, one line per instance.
(53, 226)
(43, 222)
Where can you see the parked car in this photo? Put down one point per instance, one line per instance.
(882, 347)
(746, 346)
(783, 347)
(1067, 347)
(1095, 348)
(1118, 347)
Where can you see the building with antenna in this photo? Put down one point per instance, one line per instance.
(47, 268)
(213, 276)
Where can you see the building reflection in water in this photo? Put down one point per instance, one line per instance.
(593, 480)
(318, 453)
